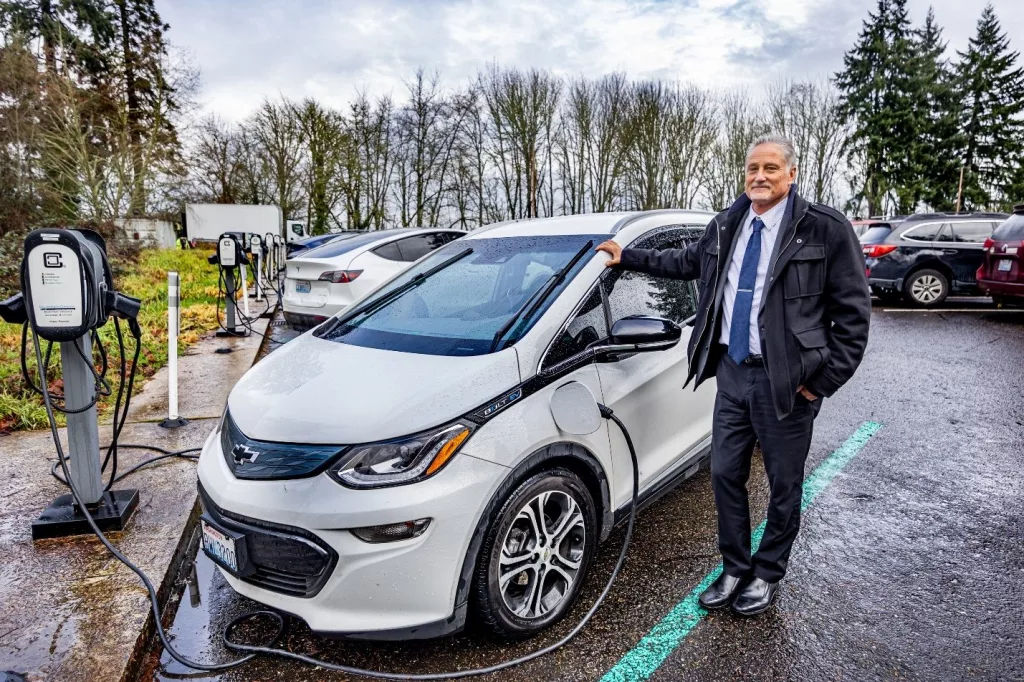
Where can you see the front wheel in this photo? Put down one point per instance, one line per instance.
(535, 555)
(926, 288)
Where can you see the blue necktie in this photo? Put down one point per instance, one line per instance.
(739, 328)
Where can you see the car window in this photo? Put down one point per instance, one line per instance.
(972, 233)
(926, 232)
(480, 301)
(634, 293)
(875, 234)
(587, 328)
(414, 248)
(341, 246)
(389, 251)
(1011, 230)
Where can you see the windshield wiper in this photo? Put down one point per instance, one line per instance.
(395, 293)
(540, 295)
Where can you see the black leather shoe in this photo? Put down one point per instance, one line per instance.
(756, 597)
(721, 592)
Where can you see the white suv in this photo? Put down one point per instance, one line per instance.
(398, 468)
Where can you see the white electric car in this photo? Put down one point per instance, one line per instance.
(398, 469)
(325, 280)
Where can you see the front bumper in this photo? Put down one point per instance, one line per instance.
(886, 285)
(372, 590)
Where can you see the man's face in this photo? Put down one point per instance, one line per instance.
(768, 178)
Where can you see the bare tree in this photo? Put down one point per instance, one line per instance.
(215, 161)
(370, 164)
(279, 137)
(691, 131)
(326, 145)
(740, 122)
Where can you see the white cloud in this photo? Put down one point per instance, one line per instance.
(328, 50)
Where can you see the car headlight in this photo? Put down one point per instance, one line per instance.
(400, 461)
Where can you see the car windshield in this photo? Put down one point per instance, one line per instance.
(348, 242)
(475, 291)
(875, 234)
(1010, 231)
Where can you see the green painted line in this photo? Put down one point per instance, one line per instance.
(640, 662)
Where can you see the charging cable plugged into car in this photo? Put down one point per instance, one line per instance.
(69, 306)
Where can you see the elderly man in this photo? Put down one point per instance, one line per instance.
(782, 322)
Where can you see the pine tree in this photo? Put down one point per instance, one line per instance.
(75, 34)
(147, 96)
(878, 94)
(992, 119)
(939, 106)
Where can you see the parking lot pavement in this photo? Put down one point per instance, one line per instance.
(907, 565)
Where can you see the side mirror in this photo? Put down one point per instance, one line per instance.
(640, 333)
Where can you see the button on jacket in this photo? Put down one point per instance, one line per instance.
(815, 308)
(772, 219)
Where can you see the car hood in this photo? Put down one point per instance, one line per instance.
(324, 392)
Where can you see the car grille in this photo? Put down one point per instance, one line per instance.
(287, 560)
(261, 460)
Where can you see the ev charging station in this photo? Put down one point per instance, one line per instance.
(67, 294)
(230, 258)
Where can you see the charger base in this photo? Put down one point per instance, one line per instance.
(63, 518)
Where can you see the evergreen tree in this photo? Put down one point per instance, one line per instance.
(991, 89)
(878, 94)
(938, 105)
(147, 96)
(75, 34)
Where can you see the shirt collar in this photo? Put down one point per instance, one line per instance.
(772, 218)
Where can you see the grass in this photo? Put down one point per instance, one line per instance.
(146, 279)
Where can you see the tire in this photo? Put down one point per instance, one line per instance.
(518, 599)
(926, 288)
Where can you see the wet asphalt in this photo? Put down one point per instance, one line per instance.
(908, 565)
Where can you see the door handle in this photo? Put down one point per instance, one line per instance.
(950, 252)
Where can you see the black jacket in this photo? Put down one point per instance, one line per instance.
(815, 310)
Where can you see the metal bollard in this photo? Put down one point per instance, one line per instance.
(174, 420)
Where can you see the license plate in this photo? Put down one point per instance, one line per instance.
(1004, 265)
(302, 287)
(219, 547)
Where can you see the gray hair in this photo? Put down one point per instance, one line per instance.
(788, 148)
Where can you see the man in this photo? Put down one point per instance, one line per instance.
(782, 322)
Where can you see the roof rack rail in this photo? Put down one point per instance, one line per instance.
(628, 220)
(951, 214)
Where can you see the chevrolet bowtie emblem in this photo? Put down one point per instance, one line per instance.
(243, 453)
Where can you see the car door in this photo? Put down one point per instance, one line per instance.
(665, 421)
(378, 265)
(965, 253)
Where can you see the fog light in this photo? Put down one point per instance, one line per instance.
(392, 532)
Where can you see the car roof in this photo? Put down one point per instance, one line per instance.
(369, 240)
(953, 217)
(593, 223)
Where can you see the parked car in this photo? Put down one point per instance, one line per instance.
(304, 245)
(399, 467)
(326, 280)
(1002, 272)
(927, 256)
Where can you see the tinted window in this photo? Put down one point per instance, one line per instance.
(875, 234)
(972, 233)
(389, 251)
(460, 309)
(414, 248)
(633, 293)
(587, 328)
(345, 244)
(1012, 230)
(925, 232)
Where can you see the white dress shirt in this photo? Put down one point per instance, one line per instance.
(772, 219)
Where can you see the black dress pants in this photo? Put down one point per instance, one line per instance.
(745, 413)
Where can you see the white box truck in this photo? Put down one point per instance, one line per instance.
(207, 222)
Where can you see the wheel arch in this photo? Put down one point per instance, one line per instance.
(931, 263)
(572, 456)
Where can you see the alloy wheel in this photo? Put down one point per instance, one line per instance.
(926, 289)
(541, 555)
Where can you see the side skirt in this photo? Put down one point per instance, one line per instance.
(687, 467)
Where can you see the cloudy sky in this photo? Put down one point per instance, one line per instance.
(328, 49)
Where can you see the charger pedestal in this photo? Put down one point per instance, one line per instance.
(231, 328)
(112, 508)
(63, 517)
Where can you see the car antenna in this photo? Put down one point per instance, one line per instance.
(543, 292)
